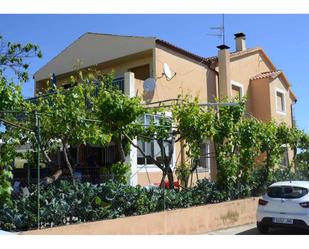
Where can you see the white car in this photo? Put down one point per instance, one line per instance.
(286, 204)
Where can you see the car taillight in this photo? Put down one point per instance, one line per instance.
(304, 204)
(262, 202)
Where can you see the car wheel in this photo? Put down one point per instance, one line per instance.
(262, 228)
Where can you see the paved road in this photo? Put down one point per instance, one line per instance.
(251, 230)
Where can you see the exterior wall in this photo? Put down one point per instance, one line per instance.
(277, 84)
(145, 179)
(154, 177)
(245, 67)
(260, 99)
(191, 77)
(195, 220)
(279, 117)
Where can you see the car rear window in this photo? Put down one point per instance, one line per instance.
(288, 192)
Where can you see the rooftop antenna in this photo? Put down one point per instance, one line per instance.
(221, 30)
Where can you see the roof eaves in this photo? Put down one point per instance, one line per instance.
(88, 33)
(50, 61)
(187, 53)
(129, 36)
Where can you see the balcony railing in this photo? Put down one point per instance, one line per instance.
(118, 83)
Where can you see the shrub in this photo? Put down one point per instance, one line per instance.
(121, 172)
(63, 203)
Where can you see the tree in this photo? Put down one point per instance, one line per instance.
(302, 158)
(116, 111)
(163, 133)
(67, 118)
(226, 143)
(12, 56)
(120, 116)
(15, 56)
(195, 125)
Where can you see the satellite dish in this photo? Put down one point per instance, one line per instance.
(149, 85)
(167, 72)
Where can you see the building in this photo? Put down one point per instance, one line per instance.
(244, 72)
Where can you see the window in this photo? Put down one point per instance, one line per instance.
(151, 149)
(285, 156)
(204, 160)
(280, 101)
(141, 72)
(288, 192)
(66, 85)
(236, 89)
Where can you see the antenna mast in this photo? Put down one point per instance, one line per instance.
(221, 30)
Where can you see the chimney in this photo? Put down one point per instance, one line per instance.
(224, 71)
(240, 39)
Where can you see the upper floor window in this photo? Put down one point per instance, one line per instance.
(141, 72)
(280, 101)
(237, 90)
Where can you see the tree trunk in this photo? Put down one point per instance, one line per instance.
(162, 183)
(167, 162)
(122, 156)
(67, 161)
(170, 178)
(295, 158)
(50, 179)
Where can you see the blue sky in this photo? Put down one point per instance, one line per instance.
(283, 37)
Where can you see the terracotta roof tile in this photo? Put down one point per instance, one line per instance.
(269, 74)
(234, 54)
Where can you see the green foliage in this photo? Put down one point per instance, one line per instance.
(7, 154)
(15, 55)
(64, 203)
(227, 140)
(10, 94)
(121, 172)
(67, 117)
(12, 56)
(117, 112)
(194, 124)
(183, 172)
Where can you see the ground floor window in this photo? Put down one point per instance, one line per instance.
(205, 156)
(285, 156)
(150, 148)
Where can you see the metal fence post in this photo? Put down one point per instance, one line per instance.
(38, 138)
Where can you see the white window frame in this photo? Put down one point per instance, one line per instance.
(207, 169)
(278, 90)
(237, 84)
(286, 150)
(152, 167)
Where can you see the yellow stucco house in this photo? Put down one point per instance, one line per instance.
(244, 72)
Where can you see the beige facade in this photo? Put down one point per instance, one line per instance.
(245, 72)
